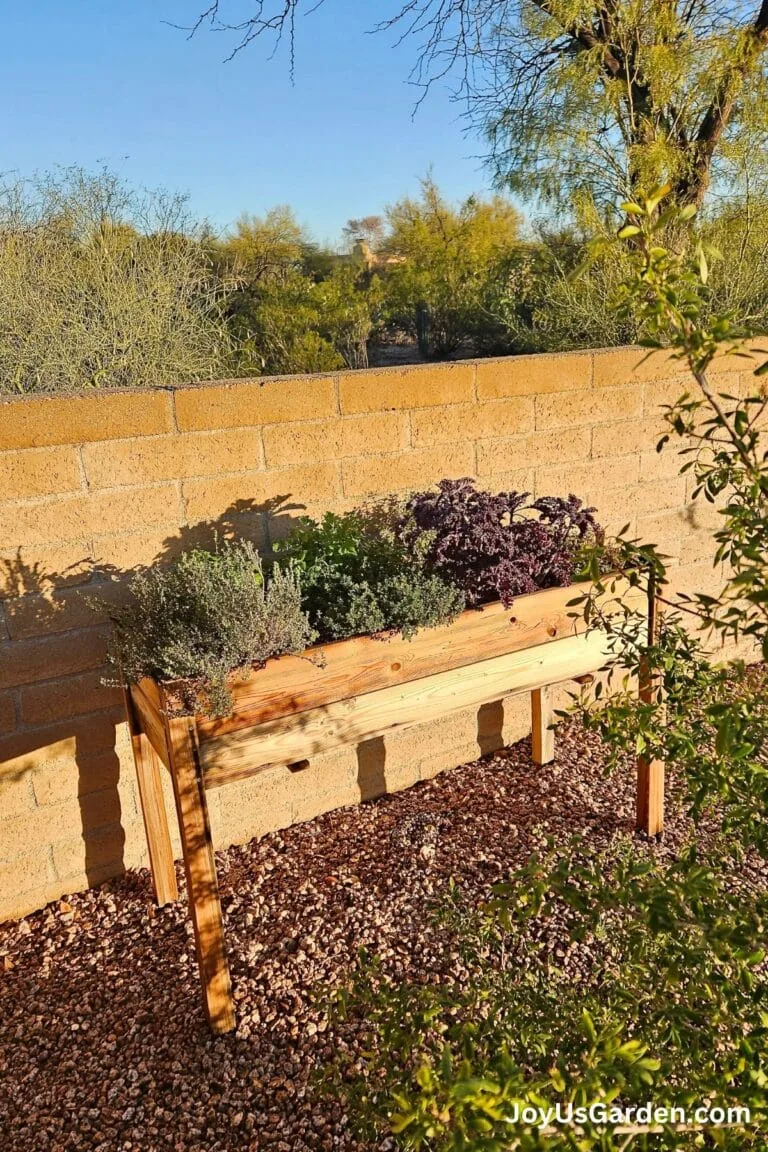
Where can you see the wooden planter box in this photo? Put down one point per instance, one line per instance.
(343, 693)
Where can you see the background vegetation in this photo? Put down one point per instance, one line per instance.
(102, 285)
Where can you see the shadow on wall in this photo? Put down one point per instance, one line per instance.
(65, 718)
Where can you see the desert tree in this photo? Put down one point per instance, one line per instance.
(371, 229)
(597, 97)
(442, 258)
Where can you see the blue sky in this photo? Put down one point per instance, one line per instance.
(97, 81)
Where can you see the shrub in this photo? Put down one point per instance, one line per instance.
(592, 978)
(500, 546)
(205, 615)
(103, 287)
(444, 256)
(358, 576)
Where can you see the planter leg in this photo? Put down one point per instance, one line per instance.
(153, 810)
(650, 796)
(650, 773)
(542, 735)
(200, 867)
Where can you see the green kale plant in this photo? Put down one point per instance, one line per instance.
(205, 615)
(358, 575)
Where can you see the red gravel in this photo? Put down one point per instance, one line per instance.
(103, 1044)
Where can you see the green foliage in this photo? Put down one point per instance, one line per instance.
(534, 305)
(595, 103)
(102, 287)
(267, 247)
(622, 978)
(205, 615)
(659, 995)
(358, 576)
(276, 327)
(348, 306)
(294, 323)
(446, 256)
(738, 283)
(723, 449)
(293, 307)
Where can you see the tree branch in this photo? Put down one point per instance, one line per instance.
(587, 38)
(718, 114)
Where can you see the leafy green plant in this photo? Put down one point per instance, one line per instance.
(205, 615)
(358, 575)
(531, 1024)
(700, 719)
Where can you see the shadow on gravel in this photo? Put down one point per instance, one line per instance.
(104, 1047)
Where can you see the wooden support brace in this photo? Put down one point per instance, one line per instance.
(650, 772)
(200, 867)
(542, 733)
(152, 810)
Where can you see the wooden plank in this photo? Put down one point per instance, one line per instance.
(200, 867)
(331, 672)
(291, 738)
(650, 796)
(542, 717)
(152, 809)
(150, 716)
(650, 772)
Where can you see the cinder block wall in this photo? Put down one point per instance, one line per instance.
(93, 485)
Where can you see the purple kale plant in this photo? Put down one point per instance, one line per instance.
(498, 546)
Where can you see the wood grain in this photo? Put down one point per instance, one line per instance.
(650, 772)
(288, 739)
(542, 734)
(328, 673)
(152, 809)
(200, 867)
(149, 706)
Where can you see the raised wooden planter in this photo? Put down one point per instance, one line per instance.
(343, 693)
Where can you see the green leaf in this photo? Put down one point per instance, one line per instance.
(424, 1077)
(656, 197)
(400, 1121)
(632, 209)
(627, 231)
(703, 266)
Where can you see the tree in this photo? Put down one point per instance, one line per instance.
(592, 96)
(265, 247)
(444, 256)
(371, 229)
(103, 286)
(295, 323)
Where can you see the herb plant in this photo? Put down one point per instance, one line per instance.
(204, 616)
(501, 546)
(358, 575)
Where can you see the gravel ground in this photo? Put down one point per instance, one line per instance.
(103, 1044)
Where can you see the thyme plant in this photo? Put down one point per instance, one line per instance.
(205, 615)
